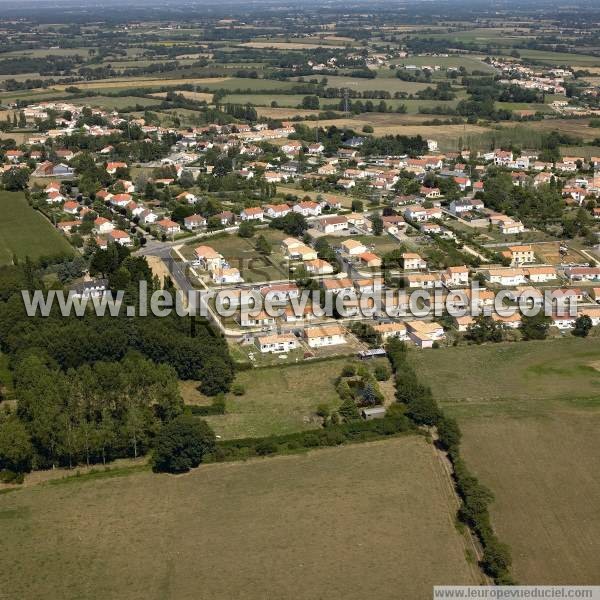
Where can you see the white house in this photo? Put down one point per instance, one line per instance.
(277, 210)
(254, 213)
(194, 222)
(352, 248)
(120, 237)
(507, 277)
(102, 225)
(276, 343)
(456, 276)
(332, 224)
(324, 335)
(308, 208)
(228, 275)
(168, 227)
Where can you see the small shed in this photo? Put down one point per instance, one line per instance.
(375, 412)
(373, 353)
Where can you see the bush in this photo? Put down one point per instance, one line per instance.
(449, 434)
(266, 447)
(216, 408)
(496, 559)
(182, 444)
(349, 370)
(323, 411)
(237, 389)
(382, 372)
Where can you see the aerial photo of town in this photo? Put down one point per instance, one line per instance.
(299, 301)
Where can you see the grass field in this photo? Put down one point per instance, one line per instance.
(561, 58)
(25, 232)
(530, 413)
(387, 84)
(391, 124)
(277, 400)
(284, 113)
(284, 100)
(120, 102)
(365, 521)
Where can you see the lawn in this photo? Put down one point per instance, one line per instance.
(530, 414)
(364, 521)
(277, 400)
(25, 232)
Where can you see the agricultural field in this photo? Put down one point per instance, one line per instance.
(121, 102)
(283, 100)
(530, 424)
(25, 232)
(284, 527)
(197, 96)
(561, 58)
(386, 84)
(284, 113)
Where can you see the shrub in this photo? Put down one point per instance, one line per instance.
(382, 372)
(323, 411)
(349, 370)
(237, 389)
(266, 447)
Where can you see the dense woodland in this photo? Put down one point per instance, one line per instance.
(90, 389)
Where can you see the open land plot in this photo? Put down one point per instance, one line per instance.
(25, 232)
(135, 82)
(530, 413)
(241, 83)
(285, 113)
(542, 472)
(531, 372)
(537, 107)
(285, 100)
(549, 253)
(483, 34)
(379, 244)
(345, 201)
(575, 127)
(198, 96)
(120, 102)
(528, 135)
(561, 58)
(446, 135)
(276, 400)
(584, 151)
(284, 527)
(241, 254)
(387, 84)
